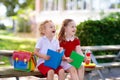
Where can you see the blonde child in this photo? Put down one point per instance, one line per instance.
(47, 41)
(70, 42)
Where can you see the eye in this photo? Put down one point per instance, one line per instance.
(51, 26)
(73, 26)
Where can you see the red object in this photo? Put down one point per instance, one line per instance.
(22, 55)
(88, 54)
(44, 69)
(88, 57)
(87, 61)
(69, 46)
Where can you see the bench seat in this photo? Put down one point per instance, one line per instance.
(9, 71)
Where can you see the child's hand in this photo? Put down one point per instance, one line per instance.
(68, 59)
(59, 50)
(46, 57)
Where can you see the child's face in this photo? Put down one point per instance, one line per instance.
(71, 28)
(50, 29)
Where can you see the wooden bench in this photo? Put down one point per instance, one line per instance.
(94, 59)
(10, 72)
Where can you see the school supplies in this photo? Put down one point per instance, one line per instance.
(77, 59)
(24, 61)
(55, 59)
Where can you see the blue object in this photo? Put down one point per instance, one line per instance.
(55, 59)
(20, 65)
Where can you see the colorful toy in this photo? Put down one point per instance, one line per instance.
(87, 57)
(55, 59)
(77, 59)
(24, 61)
(90, 65)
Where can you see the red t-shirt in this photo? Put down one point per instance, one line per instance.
(69, 46)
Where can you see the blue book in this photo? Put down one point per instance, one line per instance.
(55, 59)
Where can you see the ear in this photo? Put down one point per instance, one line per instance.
(43, 32)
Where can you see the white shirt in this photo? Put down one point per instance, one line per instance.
(44, 44)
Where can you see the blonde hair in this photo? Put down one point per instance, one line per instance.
(61, 35)
(42, 27)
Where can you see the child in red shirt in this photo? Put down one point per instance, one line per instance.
(70, 42)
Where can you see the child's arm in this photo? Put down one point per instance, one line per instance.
(68, 59)
(36, 52)
(78, 50)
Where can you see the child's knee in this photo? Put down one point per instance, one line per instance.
(61, 71)
(51, 72)
(73, 70)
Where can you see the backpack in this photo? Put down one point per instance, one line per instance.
(24, 61)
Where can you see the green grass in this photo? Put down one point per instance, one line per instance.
(9, 42)
(5, 33)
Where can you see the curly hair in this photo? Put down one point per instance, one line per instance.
(42, 27)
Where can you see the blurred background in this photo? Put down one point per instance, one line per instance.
(20, 19)
(25, 15)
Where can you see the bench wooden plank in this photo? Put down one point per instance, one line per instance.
(11, 72)
(101, 48)
(106, 57)
(110, 65)
(6, 52)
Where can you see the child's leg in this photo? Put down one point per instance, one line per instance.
(73, 73)
(81, 72)
(50, 75)
(46, 71)
(61, 74)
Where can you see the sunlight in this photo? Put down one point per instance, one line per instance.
(2, 9)
(23, 46)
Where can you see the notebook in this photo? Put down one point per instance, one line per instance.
(77, 59)
(55, 59)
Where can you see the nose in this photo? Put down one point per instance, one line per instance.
(74, 28)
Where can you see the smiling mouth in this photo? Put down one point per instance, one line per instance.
(53, 31)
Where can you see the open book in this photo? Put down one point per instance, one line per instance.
(55, 59)
(77, 59)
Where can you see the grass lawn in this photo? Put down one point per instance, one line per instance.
(9, 42)
(13, 44)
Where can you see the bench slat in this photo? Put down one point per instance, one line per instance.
(110, 65)
(101, 48)
(106, 57)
